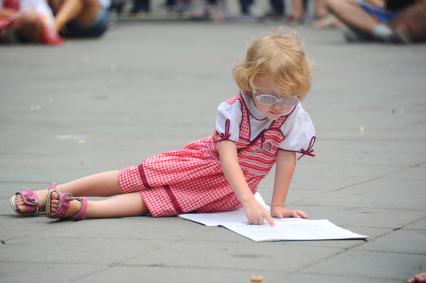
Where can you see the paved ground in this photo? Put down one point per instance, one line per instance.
(91, 106)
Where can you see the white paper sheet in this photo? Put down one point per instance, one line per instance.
(287, 229)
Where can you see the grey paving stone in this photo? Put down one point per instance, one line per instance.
(40, 272)
(278, 257)
(344, 244)
(400, 241)
(144, 228)
(14, 227)
(400, 192)
(382, 265)
(326, 278)
(418, 225)
(163, 274)
(70, 250)
(362, 217)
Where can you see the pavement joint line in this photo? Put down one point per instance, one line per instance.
(321, 259)
(414, 229)
(25, 234)
(145, 239)
(359, 207)
(364, 181)
(197, 267)
(51, 262)
(392, 231)
(417, 123)
(241, 239)
(246, 240)
(409, 223)
(391, 252)
(91, 273)
(353, 276)
(91, 237)
(376, 227)
(367, 226)
(156, 265)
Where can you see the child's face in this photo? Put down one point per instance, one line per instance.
(269, 98)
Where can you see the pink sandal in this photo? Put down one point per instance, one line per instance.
(64, 205)
(31, 202)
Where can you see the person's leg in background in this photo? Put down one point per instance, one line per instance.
(296, 11)
(278, 7)
(141, 6)
(245, 7)
(82, 11)
(323, 19)
(319, 9)
(362, 24)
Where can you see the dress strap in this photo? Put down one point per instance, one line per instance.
(278, 123)
(245, 129)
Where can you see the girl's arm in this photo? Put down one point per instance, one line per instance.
(286, 164)
(255, 213)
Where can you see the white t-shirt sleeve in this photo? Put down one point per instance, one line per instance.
(228, 121)
(299, 132)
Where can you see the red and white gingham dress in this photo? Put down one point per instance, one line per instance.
(191, 179)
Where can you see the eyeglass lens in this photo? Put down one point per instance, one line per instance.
(270, 100)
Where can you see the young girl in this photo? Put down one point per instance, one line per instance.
(265, 124)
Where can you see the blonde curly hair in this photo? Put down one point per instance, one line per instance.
(281, 55)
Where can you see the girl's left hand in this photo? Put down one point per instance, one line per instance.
(281, 212)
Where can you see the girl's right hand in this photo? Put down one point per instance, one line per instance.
(256, 214)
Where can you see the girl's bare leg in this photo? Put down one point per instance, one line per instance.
(101, 185)
(118, 206)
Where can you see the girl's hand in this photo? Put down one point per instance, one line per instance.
(256, 214)
(281, 212)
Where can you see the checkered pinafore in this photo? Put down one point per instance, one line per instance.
(191, 179)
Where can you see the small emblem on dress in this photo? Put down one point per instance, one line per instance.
(267, 146)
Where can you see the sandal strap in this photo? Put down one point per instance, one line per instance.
(31, 203)
(29, 197)
(51, 186)
(64, 200)
(82, 212)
